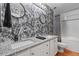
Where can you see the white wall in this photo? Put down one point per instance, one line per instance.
(70, 24)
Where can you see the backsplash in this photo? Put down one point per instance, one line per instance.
(35, 21)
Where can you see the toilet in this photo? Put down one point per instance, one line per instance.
(61, 46)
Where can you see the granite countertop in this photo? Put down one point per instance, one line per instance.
(8, 50)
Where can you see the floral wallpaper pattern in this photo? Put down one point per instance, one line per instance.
(0, 17)
(36, 20)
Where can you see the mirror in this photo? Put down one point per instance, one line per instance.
(43, 19)
(17, 10)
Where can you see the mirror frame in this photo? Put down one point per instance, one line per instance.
(23, 9)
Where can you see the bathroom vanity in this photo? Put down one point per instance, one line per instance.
(34, 47)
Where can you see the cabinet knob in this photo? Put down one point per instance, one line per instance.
(32, 53)
(46, 52)
(46, 45)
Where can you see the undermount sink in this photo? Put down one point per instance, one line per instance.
(40, 37)
(20, 44)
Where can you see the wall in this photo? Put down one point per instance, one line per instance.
(70, 24)
(35, 21)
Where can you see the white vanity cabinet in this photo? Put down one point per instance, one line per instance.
(47, 48)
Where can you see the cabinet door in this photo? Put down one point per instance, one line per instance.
(52, 47)
(23, 53)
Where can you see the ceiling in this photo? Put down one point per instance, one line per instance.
(63, 7)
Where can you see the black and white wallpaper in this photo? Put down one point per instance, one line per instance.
(29, 20)
(0, 17)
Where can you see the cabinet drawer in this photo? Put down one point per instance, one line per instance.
(23, 53)
(45, 53)
(45, 46)
(45, 49)
(40, 50)
(35, 51)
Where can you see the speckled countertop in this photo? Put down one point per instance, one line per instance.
(8, 50)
